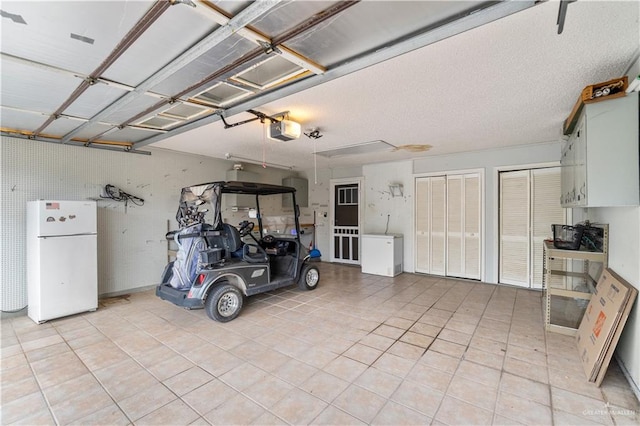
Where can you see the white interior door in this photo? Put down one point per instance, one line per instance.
(448, 225)
(529, 205)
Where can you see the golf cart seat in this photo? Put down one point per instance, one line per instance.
(232, 240)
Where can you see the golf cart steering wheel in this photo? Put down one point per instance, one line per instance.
(245, 228)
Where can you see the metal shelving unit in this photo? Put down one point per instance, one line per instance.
(565, 303)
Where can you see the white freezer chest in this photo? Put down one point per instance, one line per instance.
(382, 254)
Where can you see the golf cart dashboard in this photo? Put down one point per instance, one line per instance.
(278, 246)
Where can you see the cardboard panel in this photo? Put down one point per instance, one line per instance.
(603, 322)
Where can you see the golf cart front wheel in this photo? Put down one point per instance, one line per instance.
(309, 277)
(224, 303)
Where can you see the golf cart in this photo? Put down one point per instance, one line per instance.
(218, 264)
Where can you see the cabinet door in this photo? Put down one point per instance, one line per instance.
(568, 163)
(580, 163)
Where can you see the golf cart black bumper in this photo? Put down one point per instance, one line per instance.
(178, 297)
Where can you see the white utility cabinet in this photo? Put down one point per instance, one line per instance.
(600, 159)
(302, 191)
(240, 201)
(382, 254)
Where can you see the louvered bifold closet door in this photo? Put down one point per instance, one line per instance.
(472, 205)
(546, 210)
(438, 219)
(455, 226)
(422, 225)
(514, 228)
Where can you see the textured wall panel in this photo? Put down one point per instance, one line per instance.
(131, 243)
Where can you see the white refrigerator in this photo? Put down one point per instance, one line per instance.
(62, 261)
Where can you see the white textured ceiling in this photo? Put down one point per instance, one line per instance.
(511, 82)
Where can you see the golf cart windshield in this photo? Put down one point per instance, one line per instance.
(276, 212)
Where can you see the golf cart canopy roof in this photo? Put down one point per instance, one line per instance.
(209, 191)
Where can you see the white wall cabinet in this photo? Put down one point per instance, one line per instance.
(600, 158)
(302, 191)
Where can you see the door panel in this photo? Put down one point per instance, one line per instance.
(68, 270)
(546, 210)
(472, 204)
(422, 225)
(455, 203)
(514, 228)
(438, 225)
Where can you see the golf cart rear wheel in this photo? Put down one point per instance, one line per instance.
(309, 277)
(223, 303)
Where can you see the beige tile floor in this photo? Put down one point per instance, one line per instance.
(360, 349)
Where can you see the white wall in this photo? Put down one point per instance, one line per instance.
(132, 250)
(379, 205)
(319, 193)
(624, 259)
(378, 202)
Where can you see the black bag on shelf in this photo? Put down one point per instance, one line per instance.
(567, 237)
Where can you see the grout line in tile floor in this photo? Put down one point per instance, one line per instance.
(359, 349)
